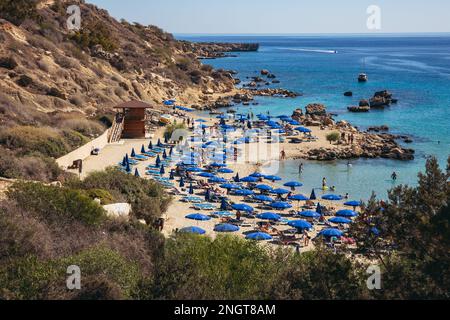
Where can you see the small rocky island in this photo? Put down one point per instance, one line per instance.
(380, 100)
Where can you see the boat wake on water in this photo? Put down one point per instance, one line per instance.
(312, 50)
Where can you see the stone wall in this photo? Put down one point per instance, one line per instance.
(84, 151)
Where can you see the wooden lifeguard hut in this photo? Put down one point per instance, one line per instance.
(130, 121)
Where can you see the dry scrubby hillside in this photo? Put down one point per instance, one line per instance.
(46, 69)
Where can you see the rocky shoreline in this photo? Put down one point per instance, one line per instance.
(364, 144)
(214, 50)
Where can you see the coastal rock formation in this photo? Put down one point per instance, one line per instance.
(297, 114)
(269, 92)
(213, 50)
(364, 103)
(358, 109)
(381, 99)
(378, 128)
(316, 109)
(370, 146)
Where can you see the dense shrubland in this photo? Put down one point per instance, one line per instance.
(128, 260)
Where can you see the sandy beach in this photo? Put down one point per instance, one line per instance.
(175, 217)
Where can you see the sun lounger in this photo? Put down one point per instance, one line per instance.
(204, 206)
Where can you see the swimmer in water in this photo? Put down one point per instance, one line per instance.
(394, 176)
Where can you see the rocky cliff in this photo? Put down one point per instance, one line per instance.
(46, 68)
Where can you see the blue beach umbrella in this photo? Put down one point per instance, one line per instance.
(242, 207)
(194, 169)
(225, 170)
(303, 129)
(133, 153)
(280, 205)
(293, 184)
(136, 173)
(172, 174)
(195, 230)
(249, 179)
(352, 203)
(191, 188)
(269, 216)
(263, 198)
(243, 192)
(171, 151)
(264, 187)
(206, 175)
(313, 195)
(257, 175)
(207, 195)
(162, 170)
(226, 227)
(258, 236)
(217, 180)
(159, 144)
(218, 165)
(200, 120)
(340, 220)
(280, 191)
(229, 186)
(273, 178)
(346, 213)
(143, 149)
(164, 155)
(158, 161)
(181, 182)
(332, 197)
(300, 224)
(124, 162)
(150, 145)
(310, 214)
(198, 217)
(236, 178)
(299, 197)
(331, 232)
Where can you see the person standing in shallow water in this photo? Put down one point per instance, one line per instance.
(300, 168)
(394, 176)
(324, 183)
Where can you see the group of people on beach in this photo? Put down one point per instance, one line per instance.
(348, 138)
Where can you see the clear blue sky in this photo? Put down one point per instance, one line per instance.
(282, 16)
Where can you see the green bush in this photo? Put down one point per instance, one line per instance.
(94, 34)
(54, 203)
(8, 63)
(26, 139)
(228, 267)
(32, 278)
(17, 11)
(104, 195)
(24, 81)
(333, 136)
(33, 167)
(104, 261)
(147, 198)
(83, 126)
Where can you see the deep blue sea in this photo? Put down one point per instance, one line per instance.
(415, 68)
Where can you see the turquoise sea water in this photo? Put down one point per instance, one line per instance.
(415, 68)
